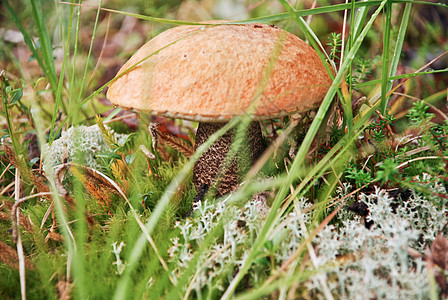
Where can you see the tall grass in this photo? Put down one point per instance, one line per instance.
(83, 263)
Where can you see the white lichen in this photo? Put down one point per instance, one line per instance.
(80, 144)
(355, 262)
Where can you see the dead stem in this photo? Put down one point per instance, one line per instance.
(22, 270)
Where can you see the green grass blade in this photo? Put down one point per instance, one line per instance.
(311, 36)
(402, 76)
(59, 101)
(387, 16)
(143, 17)
(73, 78)
(45, 43)
(27, 38)
(358, 16)
(123, 285)
(334, 154)
(399, 43)
(300, 157)
(11, 131)
(271, 18)
(81, 89)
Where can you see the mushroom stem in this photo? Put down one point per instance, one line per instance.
(209, 165)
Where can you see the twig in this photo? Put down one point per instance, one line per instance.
(391, 132)
(7, 188)
(20, 253)
(406, 163)
(131, 115)
(47, 214)
(5, 170)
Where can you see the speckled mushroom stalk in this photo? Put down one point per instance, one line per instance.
(208, 166)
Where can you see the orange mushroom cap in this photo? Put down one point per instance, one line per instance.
(212, 73)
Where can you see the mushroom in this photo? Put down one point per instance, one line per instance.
(211, 74)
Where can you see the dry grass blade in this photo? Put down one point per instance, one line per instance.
(58, 177)
(19, 246)
(407, 163)
(393, 90)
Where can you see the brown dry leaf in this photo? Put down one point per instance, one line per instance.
(439, 251)
(54, 236)
(25, 223)
(438, 255)
(64, 289)
(5, 216)
(41, 184)
(441, 281)
(8, 255)
(32, 145)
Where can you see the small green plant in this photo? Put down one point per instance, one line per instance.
(363, 67)
(419, 115)
(360, 177)
(388, 172)
(335, 45)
